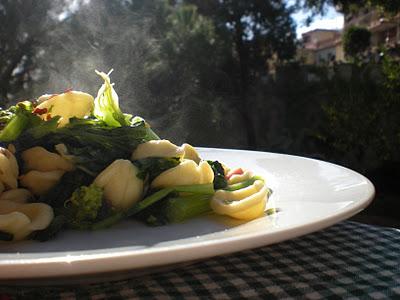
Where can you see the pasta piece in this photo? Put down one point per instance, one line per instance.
(22, 219)
(11, 148)
(8, 169)
(164, 148)
(189, 152)
(38, 158)
(244, 204)
(122, 188)
(39, 183)
(15, 223)
(16, 195)
(63, 151)
(240, 177)
(66, 105)
(186, 173)
(156, 148)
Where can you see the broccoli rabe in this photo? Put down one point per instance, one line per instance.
(18, 118)
(220, 181)
(151, 167)
(84, 206)
(177, 209)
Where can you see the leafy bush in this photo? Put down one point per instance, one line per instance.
(355, 41)
(362, 114)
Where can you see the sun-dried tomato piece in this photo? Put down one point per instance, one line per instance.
(40, 111)
(238, 171)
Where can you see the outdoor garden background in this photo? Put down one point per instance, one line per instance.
(224, 73)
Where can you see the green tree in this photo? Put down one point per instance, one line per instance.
(185, 75)
(255, 31)
(22, 29)
(356, 40)
(361, 111)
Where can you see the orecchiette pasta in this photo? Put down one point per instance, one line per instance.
(40, 182)
(189, 152)
(164, 148)
(156, 148)
(186, 173)
(122, 188)
(8, 169)
(38, 158)
(66, 105)
(22, 219)
(63, 151)
(16, 195)
(245, 204)
(240, 177)
(11, 148)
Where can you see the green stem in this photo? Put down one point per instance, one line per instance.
(205, 189)
(109, 221)
(14, 128)
(146, 202)
(183, 208)
(243, 184)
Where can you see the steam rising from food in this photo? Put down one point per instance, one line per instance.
(129, 36)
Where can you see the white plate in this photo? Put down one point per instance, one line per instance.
(310, 194)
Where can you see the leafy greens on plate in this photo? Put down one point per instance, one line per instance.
(72, 161)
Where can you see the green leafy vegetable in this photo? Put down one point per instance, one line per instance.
(106, 105)
(242, 184)
(151, 167)
(6, 115)
(177, 209)
(204, 189)
(93, 146)
(220, 181)
(16, 120)
(84, 206)
(20, 119)
(61, 192)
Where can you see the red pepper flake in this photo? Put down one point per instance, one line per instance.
(238, 171)
(40, 111)
(48, 117)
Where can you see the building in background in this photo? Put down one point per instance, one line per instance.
(384, 30)
(322, 46)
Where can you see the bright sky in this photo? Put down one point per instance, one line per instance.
(331, 20)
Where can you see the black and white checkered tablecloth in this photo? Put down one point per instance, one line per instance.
(349, 260)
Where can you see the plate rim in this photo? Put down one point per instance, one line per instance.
(76, 263)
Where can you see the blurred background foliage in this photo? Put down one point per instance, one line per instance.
(199, 72)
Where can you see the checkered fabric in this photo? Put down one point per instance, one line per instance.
(349, 260)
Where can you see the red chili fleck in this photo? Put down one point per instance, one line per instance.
(40, 111)
(238, 171)
(48, 117)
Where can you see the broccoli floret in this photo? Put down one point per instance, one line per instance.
(84, 206)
